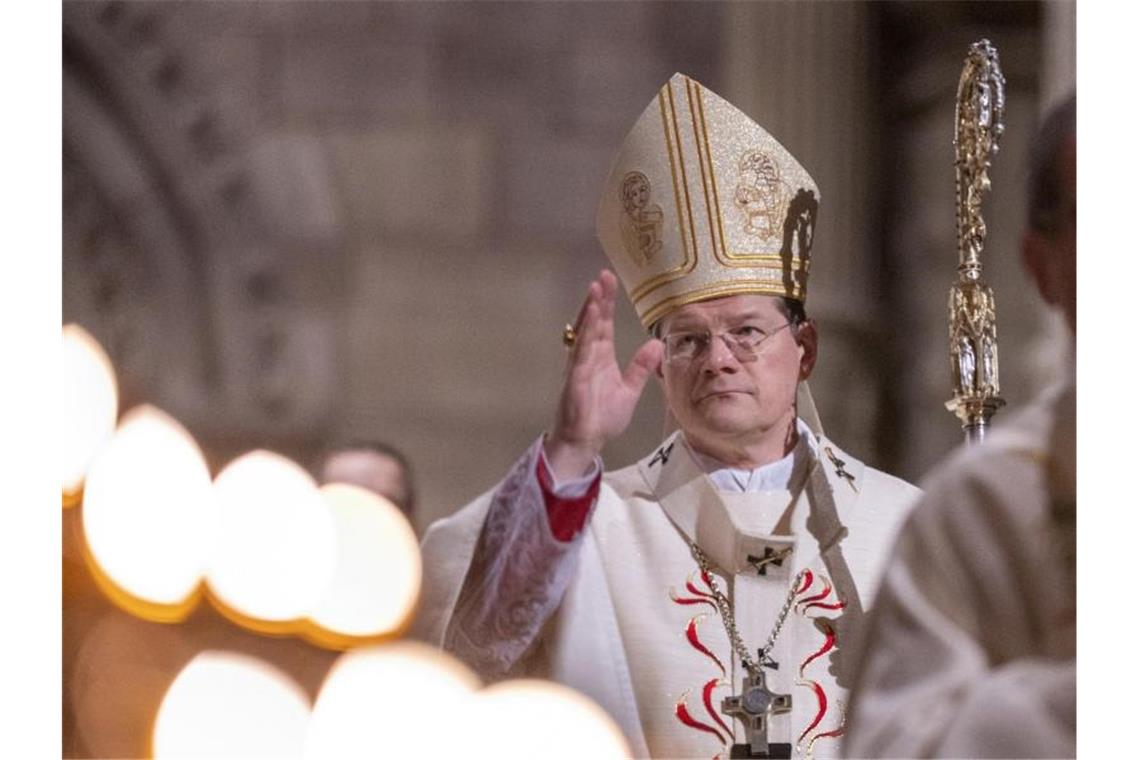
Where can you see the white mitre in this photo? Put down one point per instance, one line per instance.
(701, 202)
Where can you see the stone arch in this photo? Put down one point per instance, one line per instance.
(170, 257)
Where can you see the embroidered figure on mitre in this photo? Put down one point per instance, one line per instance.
(761, 195)
(641, 220)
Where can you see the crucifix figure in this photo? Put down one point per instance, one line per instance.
(753, 707)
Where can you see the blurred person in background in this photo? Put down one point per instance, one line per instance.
(378, 467)
(971, 651)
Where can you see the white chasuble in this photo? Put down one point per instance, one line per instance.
(629, 618)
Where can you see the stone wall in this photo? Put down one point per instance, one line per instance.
(409, 191)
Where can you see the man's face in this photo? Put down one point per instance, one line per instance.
(1065, 241)
(722, 400)
(1051, 257)
(368, 469)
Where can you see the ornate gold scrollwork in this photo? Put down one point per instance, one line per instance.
(978, 126)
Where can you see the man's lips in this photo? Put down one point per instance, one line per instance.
(721, 393)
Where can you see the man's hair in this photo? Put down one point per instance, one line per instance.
(376, 447)
(792, 310)
(1044, 181)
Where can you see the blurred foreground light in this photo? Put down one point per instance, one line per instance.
(378, 570)
(150, 516)
(230, 705)
(90, 405)
(517, 719)
(391, 700)
(277, 548)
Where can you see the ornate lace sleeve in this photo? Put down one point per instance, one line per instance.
(518, 575)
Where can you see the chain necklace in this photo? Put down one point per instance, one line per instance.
(729, 620)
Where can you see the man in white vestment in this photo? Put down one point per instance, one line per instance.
(707, 595)
(971, 650)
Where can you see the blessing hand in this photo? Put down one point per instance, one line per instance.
(598, 397)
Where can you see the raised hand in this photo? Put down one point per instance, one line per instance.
(598, 397)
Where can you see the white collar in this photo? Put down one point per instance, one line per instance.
(775, 476)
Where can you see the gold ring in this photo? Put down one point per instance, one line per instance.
(569, 335)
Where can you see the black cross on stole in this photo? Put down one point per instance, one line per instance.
(770, 558)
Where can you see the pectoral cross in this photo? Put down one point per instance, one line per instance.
(753, 707)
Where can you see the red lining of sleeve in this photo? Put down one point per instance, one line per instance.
(567, 517)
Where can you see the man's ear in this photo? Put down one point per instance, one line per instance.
(1036, 257)
(808, 340)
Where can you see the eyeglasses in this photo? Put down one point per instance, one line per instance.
(744, 342)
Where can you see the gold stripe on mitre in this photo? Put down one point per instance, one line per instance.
(701, 202)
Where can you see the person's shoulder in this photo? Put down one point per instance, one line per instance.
(1020, 443)
(873, 480)
(985, 467)
(995, 488)
(629, 482)
(626, 482)
(884, 481)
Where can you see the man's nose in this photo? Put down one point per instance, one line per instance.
(719, 357)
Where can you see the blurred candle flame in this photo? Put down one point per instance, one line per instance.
(90, 406)
(390, 701)
(513, 718)
(376, 584)
(276, 551)
(149, 516)
(230, 705)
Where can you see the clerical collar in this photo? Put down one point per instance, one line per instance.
(775, 476)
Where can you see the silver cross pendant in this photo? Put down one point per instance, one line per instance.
(753, 707)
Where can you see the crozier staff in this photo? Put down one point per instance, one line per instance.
(973, 318)
(706, 595)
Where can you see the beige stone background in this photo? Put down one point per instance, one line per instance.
(295, 222)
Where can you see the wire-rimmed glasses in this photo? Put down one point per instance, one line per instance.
(744, 342)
